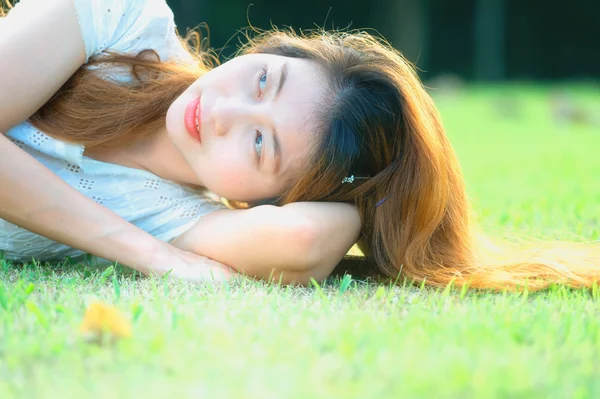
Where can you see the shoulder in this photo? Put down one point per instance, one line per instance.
(129, 26)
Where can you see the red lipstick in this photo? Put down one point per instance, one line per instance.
(193, 119)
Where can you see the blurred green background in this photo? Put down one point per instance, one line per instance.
(517, 83)
(483, 40)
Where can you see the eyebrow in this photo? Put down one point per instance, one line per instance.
(276, 142)
(282, 78)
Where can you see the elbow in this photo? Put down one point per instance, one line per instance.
(308, 245)
(310, 256)
(304, 260)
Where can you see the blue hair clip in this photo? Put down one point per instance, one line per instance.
(383, 200)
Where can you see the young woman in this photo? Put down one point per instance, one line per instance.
(117, 133)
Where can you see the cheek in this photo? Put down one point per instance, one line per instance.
(229, 173)
(220, 80)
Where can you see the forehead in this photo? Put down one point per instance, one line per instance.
(295, 111)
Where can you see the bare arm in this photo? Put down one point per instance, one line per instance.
(36, 199)
(294, 242)
(40, 48)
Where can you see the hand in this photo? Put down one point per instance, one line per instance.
(188, 266)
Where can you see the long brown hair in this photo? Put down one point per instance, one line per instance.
(97, 106)
(378, 124)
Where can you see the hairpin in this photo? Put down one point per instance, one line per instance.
(348, 179)
(351, 179)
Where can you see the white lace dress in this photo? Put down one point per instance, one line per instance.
(160, 207)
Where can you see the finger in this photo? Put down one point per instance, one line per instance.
(207, 271)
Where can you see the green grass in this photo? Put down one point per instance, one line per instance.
(526, 174)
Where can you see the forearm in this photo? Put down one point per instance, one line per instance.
(291, 243)
(34, 198)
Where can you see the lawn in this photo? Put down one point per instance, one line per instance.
(530, 157)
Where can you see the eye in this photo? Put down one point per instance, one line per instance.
(262, 82)
(258, 142)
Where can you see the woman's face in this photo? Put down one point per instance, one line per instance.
(245, 127)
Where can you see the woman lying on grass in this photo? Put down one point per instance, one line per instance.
(116, 133)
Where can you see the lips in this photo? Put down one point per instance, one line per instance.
(192, 119)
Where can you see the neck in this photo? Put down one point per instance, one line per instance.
(154, 153)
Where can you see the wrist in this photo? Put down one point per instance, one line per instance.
(136, 249)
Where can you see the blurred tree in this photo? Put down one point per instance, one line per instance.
(488, 33)
(223, 19)
(189, 13)
(405, 24)
(472, 39)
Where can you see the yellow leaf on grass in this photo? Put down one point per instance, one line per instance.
(104, 322)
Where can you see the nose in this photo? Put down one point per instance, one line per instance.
(232, 111)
